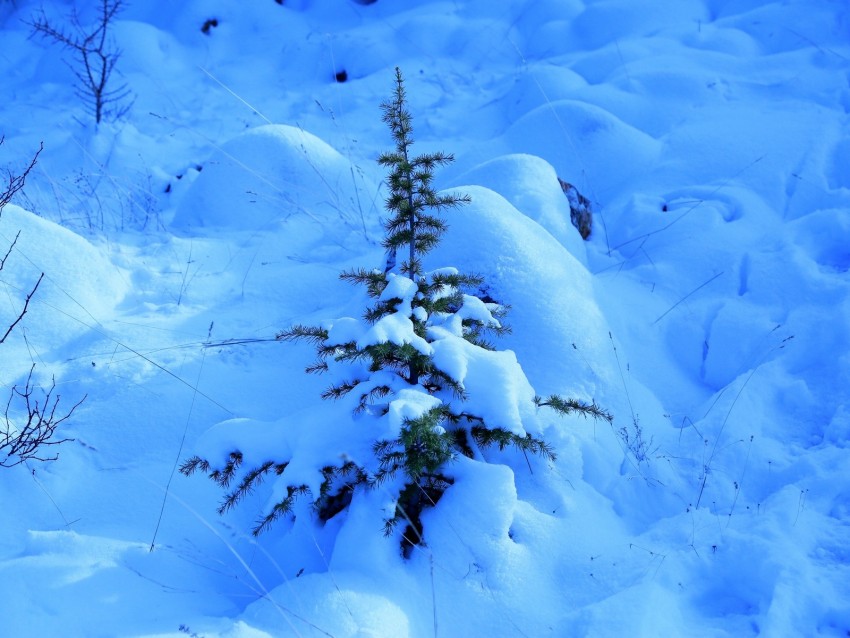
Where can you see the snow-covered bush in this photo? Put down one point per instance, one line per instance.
(417, 379)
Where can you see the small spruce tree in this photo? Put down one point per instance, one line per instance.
(408, 367)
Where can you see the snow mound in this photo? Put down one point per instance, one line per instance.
(272, 174)
(549, 291)
(80, 286)
(586, 143)
(604, 22)
(531, 185)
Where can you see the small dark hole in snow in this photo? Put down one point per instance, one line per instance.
(341, 76)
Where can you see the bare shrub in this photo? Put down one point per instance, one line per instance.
(29, 422)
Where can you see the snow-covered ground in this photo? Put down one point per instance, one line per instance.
(709, 312)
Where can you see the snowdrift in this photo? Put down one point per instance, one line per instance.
(709, 311)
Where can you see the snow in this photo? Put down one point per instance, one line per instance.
(494, 385)
(530, 184)
(344, 330)
(709, 312)
(283, 172)
(395, 328)
(550, 294)
(409, 403)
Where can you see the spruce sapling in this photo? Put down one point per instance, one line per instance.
(395, 368)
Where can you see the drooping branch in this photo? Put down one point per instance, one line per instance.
(573, 406)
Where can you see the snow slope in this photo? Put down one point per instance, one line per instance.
(709, 312)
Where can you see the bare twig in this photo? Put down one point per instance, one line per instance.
(28, 425)
(15, 183)
(24, 311)
(25, 438)
(9, 252)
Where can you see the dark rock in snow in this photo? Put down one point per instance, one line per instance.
(580, 214)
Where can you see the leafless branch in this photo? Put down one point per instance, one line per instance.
(24, 311)
(9, 252)
(28, 425)
(15, 183)
(26, 433)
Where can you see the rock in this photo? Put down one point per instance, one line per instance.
(580, 213)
